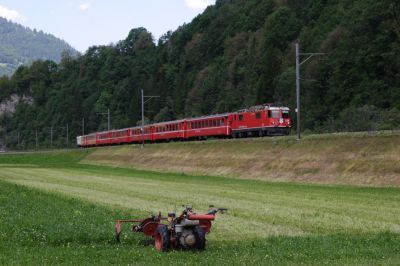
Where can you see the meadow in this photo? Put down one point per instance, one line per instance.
(55, 210)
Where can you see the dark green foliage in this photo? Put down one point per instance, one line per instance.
(236, 54)
(21, 45)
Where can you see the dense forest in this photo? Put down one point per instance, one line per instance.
(20, 45)
(237, 53)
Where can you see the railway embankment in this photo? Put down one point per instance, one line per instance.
(367, 159)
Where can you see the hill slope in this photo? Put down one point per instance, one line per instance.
(360, 159)
(20, 45)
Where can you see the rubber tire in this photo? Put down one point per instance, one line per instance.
(163, 234)
(200, 236)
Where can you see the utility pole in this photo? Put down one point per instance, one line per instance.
(36, 139)
(18, 138)
(5, 138)
(298, 89)
(143, 102)
(142, 120)
(67, 135)
(298, 64)
(51, 136)
(108, 118)
(83, 126)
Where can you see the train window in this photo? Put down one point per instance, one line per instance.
(222, 122)
(240, 117)
(258, 115)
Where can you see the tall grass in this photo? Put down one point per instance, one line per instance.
(356, 158)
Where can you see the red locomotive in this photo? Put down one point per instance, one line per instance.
(261, 120)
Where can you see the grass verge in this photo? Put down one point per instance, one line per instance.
(353, 158)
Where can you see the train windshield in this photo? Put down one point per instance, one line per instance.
(274, 114)
(285, 114)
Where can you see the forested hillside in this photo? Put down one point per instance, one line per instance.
(20, 45)
(236, 54)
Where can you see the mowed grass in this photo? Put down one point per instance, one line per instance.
(57, 211)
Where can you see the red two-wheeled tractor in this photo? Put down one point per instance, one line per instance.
(187, 230)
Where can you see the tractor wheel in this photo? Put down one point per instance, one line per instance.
(200, 237)
(161, 239)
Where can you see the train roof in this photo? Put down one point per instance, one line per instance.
(267, 106)
(207, 116)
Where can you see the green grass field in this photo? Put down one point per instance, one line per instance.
(56, 211)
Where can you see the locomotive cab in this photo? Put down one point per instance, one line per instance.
(261, 121)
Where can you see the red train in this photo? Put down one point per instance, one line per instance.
(261, 120)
